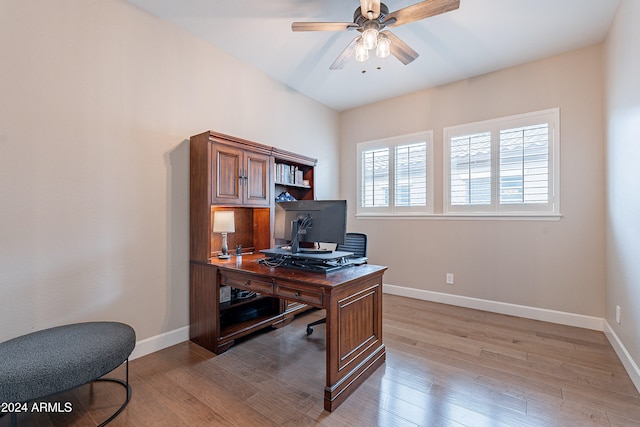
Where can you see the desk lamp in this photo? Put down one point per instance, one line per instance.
(223, 222)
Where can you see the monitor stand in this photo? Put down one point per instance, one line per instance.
(295, 242)
(295, 245)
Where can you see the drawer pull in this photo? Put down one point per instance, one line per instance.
(297, 294)
(247, 284)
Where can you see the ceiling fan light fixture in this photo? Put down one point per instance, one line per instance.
(384, 46)
(362, 53)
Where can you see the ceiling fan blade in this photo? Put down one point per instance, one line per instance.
(370, 9)
(323, 26)
(420, 11)
(346, 54)
(400, 49)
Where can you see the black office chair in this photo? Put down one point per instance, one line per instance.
(353, 242)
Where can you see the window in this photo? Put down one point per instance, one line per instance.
(503, 166)
(395, 175)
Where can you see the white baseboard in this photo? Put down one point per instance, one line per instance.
(153, 344)
(553, 316)
(629, 364)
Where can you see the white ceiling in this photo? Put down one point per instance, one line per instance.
(480, 37)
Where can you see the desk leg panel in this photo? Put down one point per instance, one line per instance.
(203, 306)
(354, 338)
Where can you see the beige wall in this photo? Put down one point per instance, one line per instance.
(623, 178)
(98, 99)
(97, 102)
(555, 265)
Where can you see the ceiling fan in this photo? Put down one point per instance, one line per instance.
(370, 19)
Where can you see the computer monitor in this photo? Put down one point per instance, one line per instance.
(311, 221)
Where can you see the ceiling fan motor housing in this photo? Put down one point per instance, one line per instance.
(360, 20)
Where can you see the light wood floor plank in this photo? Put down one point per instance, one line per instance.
(446, 366)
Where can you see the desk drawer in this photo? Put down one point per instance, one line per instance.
(242, 281)
(308, 297)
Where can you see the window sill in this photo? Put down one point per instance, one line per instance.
(466, 216)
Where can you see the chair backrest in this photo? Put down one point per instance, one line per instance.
(356, 243)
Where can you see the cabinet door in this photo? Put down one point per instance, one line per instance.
(256, 179)
(227, 162)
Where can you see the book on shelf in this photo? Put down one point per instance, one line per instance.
(288, 174)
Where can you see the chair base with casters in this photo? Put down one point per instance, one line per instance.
(312, 324)
(357, 244)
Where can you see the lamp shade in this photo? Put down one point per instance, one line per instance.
(223, 222)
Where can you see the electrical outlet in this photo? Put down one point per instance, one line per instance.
(617, 313)
(449, 279)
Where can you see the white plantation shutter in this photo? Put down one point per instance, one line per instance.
(411, 174)
(505, 166)
(471, 169)
(524, 165)
(395, 175)
(375, 178)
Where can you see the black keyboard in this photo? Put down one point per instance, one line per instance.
(312, 266)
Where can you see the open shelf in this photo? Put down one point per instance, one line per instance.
(248, 310)
(240, 329)
(285, 184)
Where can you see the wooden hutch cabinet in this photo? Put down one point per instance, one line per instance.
(228, 173)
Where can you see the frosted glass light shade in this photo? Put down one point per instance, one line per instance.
(370, 38)
(384, 46)
(362, 54)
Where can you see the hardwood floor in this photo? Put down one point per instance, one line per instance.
(446, 366)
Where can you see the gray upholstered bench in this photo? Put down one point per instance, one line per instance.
(47, 362)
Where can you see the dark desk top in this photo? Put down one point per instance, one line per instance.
(249, 264)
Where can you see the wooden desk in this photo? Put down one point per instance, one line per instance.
(351, 296)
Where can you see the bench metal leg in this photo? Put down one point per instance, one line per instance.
(126, 385)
